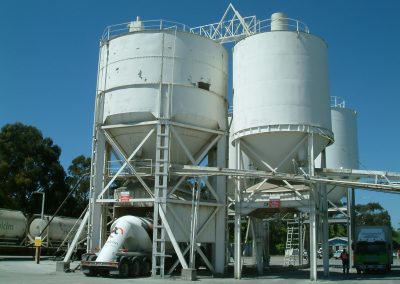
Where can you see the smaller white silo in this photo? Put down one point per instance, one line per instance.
(343, 153)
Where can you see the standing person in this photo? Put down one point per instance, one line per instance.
(398, 253)
(344, 256)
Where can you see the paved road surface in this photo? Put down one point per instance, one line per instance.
(27, 271)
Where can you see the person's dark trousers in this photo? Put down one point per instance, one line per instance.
(345, 264)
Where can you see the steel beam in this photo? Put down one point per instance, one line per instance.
(313, 220)
(237, 229)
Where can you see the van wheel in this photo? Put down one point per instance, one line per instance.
(358, 270)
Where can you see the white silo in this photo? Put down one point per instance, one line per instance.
(161, 100)
(281, 94)
(343, 154)
(149, 74)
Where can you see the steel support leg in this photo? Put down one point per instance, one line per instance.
(325, 225)
(313, 219)
(350, 224)
(238, 247)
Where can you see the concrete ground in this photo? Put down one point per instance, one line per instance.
(25, 270)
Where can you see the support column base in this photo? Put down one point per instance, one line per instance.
(62, 266)
(189, 274)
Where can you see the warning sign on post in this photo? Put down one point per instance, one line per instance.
(274, 203)
(38, 241)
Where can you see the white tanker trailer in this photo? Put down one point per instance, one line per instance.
(12, 226)
(57, 230)
(16, 229)
(127, 251)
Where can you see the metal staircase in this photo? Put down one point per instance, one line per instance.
(160, 195)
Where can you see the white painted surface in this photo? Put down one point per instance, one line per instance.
(137, 67)
(57, 230)
(343, 153)
(126, 232)
(12, 224)
(279, 22)
(281, 92)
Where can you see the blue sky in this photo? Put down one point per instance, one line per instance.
(49, 52)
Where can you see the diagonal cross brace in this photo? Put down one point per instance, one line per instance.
(126, 161)
(194, 162)
(116, 147)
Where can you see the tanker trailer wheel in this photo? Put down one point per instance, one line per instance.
(135, 268)
(124, 268)
(146, 267)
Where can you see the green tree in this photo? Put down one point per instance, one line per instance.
(372, 214)
(277, 234)
(28, 163)
(337, 230)
(80, 198)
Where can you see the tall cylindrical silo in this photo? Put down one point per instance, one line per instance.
(343, 154)
(161, 101)
(281, 94)
(142, 70)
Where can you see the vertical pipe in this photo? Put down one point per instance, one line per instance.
(238, 247)
(301, 243)
(313, 225)
(353, 217)
(349, 225)
(325, 224)
(218, 158)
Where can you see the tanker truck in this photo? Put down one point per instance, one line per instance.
(373, 248)
(17, 233)
(127, 251)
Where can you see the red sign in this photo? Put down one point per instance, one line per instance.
(274, 203)
(124, 196)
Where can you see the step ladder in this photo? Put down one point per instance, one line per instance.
(292, 248)
(160, 196)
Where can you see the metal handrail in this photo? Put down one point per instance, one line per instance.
(143, 167)
(120, 29)
(291, 25)
(338, 102)
(222, 32)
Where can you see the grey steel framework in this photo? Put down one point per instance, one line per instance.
(227, 30)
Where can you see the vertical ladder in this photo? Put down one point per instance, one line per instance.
(292, 248)
(160, 196)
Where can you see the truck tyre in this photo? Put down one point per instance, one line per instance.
(124, 268)
(146, 267)
(90, 274)
(135, 268)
